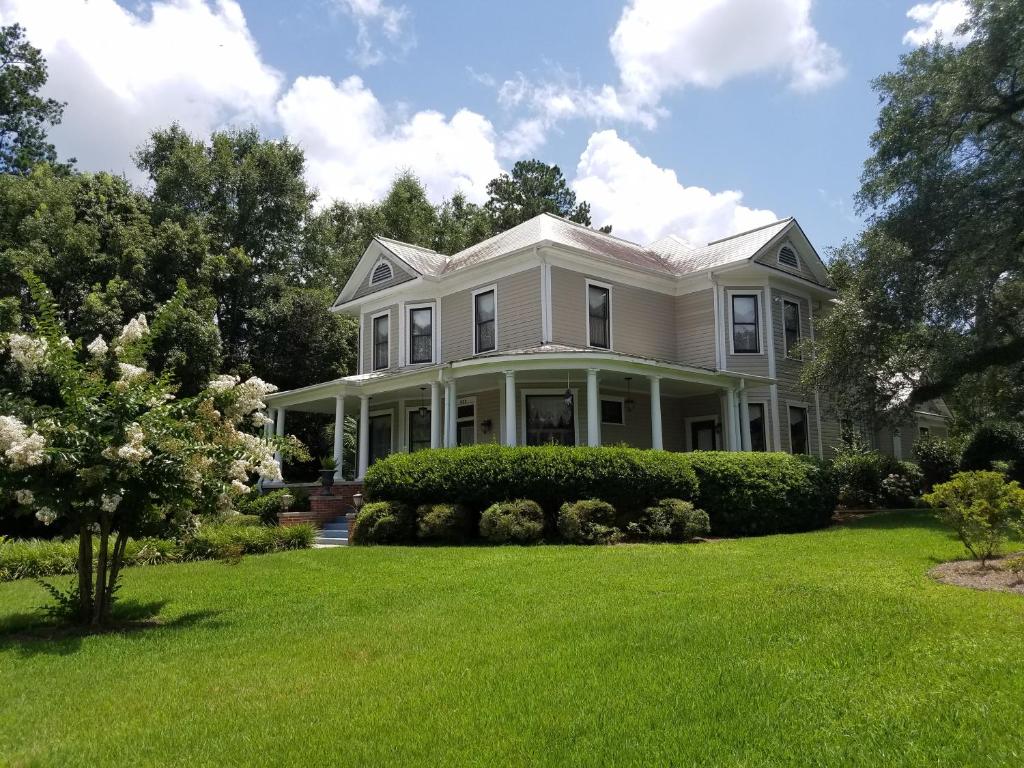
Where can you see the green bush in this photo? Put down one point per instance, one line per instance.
(478, 476)
(671, 520)
(590, 521)
(266, 506)
(995, 442)
(227, 541)
(938, 459)
(982, 507)
(754, 494)
(902, 488)
(443, 523)
(384, 522)
(520, 521)
(859, 475)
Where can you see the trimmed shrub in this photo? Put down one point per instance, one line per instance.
(443, 523)
(590, 521)
(938, 458)
(241, 519)
(384, 522)
(859, 477)
(983, 508)
(478, 476)
(995, 442)
(671, 520)
(266, 506)
(520, 521)
(226, 542)
(753, 494)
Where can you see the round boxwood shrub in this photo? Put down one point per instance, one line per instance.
(443, 523)
(590, 521)
(520, 521)
(994, 442)
(383, 522)
(671, 520)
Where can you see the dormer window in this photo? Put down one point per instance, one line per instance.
(788, 257)
(381, 273)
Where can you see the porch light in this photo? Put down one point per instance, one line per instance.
(568, 392)
(423, 406)
(630, 403)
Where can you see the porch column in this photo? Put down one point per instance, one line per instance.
(656, 440)
(450, 409)
(729, 419)
(280, 433)
(435, 414)
(593, 410)
(339, 435)
(510, 408)
(364, 435)
(744, 419)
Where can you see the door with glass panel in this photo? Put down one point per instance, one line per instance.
(380, 436)
(550, 420)
(703, 435)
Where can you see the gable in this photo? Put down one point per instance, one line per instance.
(377, 260)
(792, 246)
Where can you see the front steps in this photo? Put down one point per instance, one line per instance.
(333, 534)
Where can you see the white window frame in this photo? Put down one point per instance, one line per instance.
(405, 334)
(386, 412)
(799, 327)
(549, 391)
(621, 401)
(688, 432)
(373, 340)
(758, 293)
(807, 427)
(459, 402)
(472, 311)
(767, 433)
(376, 266)
(778, 256)
(611, 314)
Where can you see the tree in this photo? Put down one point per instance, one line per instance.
(184, 343)
(24, 115)
(531, 189)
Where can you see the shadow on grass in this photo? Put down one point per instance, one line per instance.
(37, 633)
(891, 520)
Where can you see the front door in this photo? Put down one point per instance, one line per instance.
(702, 435)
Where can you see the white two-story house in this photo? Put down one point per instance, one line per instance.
(552, 332)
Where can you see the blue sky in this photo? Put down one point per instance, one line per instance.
(656, 111)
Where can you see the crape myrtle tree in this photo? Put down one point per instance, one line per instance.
(94, 443)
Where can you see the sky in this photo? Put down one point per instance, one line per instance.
(699, 118)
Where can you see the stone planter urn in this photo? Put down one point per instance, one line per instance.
(327, 478)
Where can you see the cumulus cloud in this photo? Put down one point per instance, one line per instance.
(645, 202)
(375, 19)
(937, 20)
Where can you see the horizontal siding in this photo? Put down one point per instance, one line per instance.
(756, 364)
(518, 315)
(695, 329)
(771, 259)
(399, 275)
(568, 310)
(367, 339)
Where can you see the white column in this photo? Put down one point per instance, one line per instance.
(729, 427)
(656, 440)
(510, 408)
(435, 414)
(744, 420)
(339, 435)
(280, 433)
(593, 409)
(364, 435)
(451, 409)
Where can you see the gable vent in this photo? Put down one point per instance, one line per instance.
(787, 256)
(381, 273)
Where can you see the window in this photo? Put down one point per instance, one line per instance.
(757, 427)
(703, 434)
(419, 429)
(380, 436)
(797, 429)
(381, 330)
(550, 420)
(923, 431)
(746, 336)
(791, 326)
(421, 335)
(465, 422)
(787, 257)
(381, 273)
(599, 313)
(612, 412)
(484, 336)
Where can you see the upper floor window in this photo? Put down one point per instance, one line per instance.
(421, 335)
(599, 316)
(788, 257)
(484, 336)
(381, 273)
(746, 333)
(381, 331)
(791, 327)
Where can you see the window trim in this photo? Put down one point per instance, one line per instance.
(622, 404)
(790, 355)
(373, 340)
(688, 430)
(549, 391)
(373, 272)
(764, 425)
(586, 312)
(805, 407)
(405, 332)
(473, 294)
(459, 402)
(758, 295)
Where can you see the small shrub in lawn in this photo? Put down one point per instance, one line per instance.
(859, 477)
(900, 489)
(994, 442)
(590, 521)
(938, 459)
(983, 508)
(1016, 567)
(443, 523)
(294, 536)
(520, 521)
(671, 520)
(384, 522)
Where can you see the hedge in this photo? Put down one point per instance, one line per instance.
(520, 521)
(995, 442)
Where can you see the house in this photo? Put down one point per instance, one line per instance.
(552, 332)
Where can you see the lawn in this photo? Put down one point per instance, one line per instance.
(831, 648)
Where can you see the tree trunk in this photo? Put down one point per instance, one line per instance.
(115, 571)
(84, 573)
(99, 604)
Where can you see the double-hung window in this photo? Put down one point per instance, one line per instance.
(746, 332)
(381, 329)
(421, 335)
(484, 310)
(599, 316)
(791, 326)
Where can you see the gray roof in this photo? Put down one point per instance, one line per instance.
(423, 260)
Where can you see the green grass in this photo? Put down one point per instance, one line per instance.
(832, 648)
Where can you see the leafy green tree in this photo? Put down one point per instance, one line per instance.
(460, 224)
(184, 342)
(24, 115)
(531, 189)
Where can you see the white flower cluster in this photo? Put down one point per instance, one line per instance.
(136, 328)
(130, 373)
(108, 503)
(45, 515)
(248, 401)
(97, 347)
(223, 383)
(27, 351)
(258, 458)
(25, 497)
(134, 451)
(19, 445)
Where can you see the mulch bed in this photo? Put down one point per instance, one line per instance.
(972, 574)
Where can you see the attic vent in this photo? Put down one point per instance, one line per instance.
(787, 256)
(381, 273)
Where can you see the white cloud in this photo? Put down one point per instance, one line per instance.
(123, 75)
(373, 18)
(645, 202)
(937, 20)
